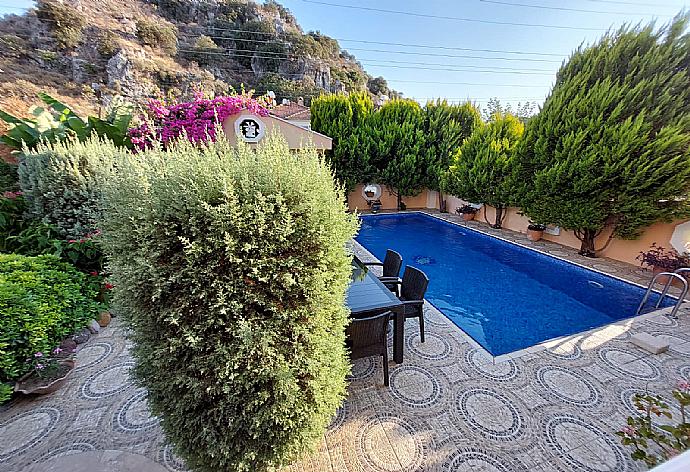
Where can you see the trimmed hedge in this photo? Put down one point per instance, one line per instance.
(230, 267)
(42, 301)
(62, 183)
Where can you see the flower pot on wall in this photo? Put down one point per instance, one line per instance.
(534, 234)
(468, 216)
(32, 384)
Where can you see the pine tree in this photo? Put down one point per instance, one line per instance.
(482, 170)
(611, 146)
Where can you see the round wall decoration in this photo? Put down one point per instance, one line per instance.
(250, 128)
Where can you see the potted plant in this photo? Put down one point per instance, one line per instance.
(535, 231)
(661, 259)
(48, 373)
(467, 212)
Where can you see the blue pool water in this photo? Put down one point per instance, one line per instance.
(506, 297)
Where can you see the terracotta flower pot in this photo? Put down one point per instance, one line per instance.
(534, 235)
(104, 319)
(468, 216)
(28, 385)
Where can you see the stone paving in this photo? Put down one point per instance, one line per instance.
(450, 407)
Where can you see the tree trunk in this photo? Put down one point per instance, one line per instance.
(499, 217)
(587, 237)
(399, 201)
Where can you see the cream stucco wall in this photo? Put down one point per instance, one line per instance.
(619, 249)
(388, 199)
(296, 136)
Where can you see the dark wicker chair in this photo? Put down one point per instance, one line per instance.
(368, 337)
(412, 289)
(391, 270)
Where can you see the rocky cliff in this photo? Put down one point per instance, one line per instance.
(85, 52)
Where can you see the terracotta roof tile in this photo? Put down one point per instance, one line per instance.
(293, 111)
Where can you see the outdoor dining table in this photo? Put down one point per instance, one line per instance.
(367, 296)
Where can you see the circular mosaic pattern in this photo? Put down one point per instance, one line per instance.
(685, 372)
(92, 354)
(415, 386)
(171, 461)
(107, 382)
(339, 418)
(134, 415)
(627, 396)
(567, 351)
(474, 460)
(433, 348)
(395, 433)
(565, 433)
(491, 413)
(362, 368)
(25, 430)
(567, 385)
(628, 364)
(662, 320)
(75, 448)
(502, 372)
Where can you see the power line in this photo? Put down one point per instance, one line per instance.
(385, 43)
(462, 83)
(451, 18)
(546, 7)
(618, 2)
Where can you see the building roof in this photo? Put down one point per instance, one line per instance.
(292, 112)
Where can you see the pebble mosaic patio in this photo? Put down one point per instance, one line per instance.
(450, 407)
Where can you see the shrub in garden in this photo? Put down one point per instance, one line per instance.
(230, 267)
(62, 183)
(610, 149)
(482, 170)
(42, 301)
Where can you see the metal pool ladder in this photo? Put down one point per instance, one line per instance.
(672, 276)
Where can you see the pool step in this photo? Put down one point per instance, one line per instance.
(653, 344)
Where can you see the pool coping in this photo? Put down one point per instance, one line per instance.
(544, 345)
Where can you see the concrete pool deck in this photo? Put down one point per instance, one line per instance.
(450, 407)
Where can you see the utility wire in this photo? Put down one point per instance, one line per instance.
(619, 2)
(385, 43)
(546, 7)
(451, 18)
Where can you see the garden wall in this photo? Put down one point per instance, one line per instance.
(619, 249)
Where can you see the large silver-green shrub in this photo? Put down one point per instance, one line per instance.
(230, 267)
(62, 183)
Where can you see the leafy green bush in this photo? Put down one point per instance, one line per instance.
(59, 122)
(610, 149)
(62, 183)
(205, 51)
(483, 168)
(108, 43)
(230, 267)
(67, 23)
(9, 178)
(42, 301)
(155, 34)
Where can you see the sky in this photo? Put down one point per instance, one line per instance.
(470, 52)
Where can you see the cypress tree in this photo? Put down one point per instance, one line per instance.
(611, 146)
(340, 117)
(482, 169)
(446, 126)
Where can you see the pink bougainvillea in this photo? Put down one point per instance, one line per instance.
(197, 119)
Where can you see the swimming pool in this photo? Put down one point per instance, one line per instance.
(505, 296)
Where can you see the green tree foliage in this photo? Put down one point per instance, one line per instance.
(446, 127)
(66, 22)
(231, 269)
(395, 141)
(611, 146)
(343, 118)
(378, 86)
(62, 183)
(286, 88)
(523, 110)
(42, 300)
(482, 170)
(205, 51)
